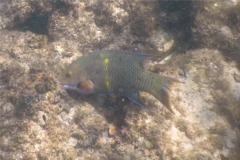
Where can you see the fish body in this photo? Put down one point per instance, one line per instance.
(116, 72)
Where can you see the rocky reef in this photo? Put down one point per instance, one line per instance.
(41, 121)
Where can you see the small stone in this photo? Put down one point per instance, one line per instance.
(236, 77)
(7, 108)
(112, 130)
(162, 40)
(145, 143)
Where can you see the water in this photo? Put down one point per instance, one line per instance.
(40, 120)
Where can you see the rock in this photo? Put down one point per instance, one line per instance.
(40, 120)
(236, 77)
(216, 26)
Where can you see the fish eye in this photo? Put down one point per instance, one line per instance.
(69, 74)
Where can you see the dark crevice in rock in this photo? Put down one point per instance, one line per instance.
(23, 105)
(63, 7)
(36, 23)
(181, 17)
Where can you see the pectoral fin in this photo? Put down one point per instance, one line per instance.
(134, 97)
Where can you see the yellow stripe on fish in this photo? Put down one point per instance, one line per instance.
(107, 82)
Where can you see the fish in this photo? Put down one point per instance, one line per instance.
(118, 72)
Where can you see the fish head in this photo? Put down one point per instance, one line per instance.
(75, 77)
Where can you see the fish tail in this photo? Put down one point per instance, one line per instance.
(163, 96)
(161, 88)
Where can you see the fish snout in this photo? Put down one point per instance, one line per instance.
(83, 87)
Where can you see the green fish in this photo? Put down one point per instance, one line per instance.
(118, 72)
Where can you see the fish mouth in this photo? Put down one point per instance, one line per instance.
(77, 89)
(69, 87)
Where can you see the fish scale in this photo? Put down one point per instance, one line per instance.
(116, 72)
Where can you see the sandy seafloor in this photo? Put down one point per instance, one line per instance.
(39, 120)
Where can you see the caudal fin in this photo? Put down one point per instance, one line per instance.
(161, 90)
(164, 98)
